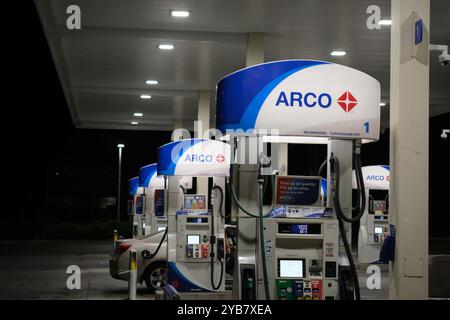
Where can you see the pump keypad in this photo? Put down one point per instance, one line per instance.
(298, 289)
(197, 251)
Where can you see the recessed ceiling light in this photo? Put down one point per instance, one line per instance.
(385, 22)
(338, 53)
(134, 122)
(138, 114)
(145, 96)
(382, 104)
(151, 82)
(165, 46)
(179, 13)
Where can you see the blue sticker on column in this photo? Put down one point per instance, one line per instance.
(418, 32)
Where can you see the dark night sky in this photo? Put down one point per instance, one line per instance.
(39, 140)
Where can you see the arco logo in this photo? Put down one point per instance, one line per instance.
(374, 177)
(220, 158)
(347, 101)
(299, 99)
(198, 158)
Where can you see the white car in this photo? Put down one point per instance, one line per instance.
(151, 252)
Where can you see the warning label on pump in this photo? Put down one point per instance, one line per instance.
(268, 248)
(329, 249)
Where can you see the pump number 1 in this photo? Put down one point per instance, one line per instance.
(366, 126)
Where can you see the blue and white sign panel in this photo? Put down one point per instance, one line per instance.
(194, 157)
(300, 98)
(375, 177)
(148, 177)
(133, 185)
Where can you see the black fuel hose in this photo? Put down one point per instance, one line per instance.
(335, 180)
(159, 245)
(221, 201)
(358, 198)
(260, 217)
(361, 189)
(232, 191)
(262, 242)
(348, 252)
(322, 166)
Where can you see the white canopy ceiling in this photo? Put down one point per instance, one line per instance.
(103, 67)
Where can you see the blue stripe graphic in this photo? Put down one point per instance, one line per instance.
(167, 161)
(184, 285)
(241, 94)
(146, 173)
(133, 185)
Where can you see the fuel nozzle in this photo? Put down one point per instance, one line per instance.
(265, 165)
(333, 164)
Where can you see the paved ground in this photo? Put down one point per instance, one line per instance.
(37, 270)
(374, 294)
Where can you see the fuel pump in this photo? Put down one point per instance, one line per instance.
(374, 226)
(153, 219)
(136, 205)
(196, 235)
(154, 197)
(295, 245)
(292, 250)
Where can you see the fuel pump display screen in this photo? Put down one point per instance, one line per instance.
(193, 239)
(299, 228)
(197, 220)
(290, 268)
(302, 191)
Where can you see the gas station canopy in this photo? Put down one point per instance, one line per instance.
(104, 67)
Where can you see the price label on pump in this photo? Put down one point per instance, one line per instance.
(329, 249)
(268, 248)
